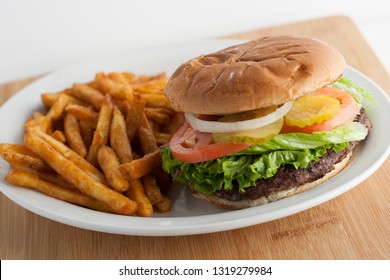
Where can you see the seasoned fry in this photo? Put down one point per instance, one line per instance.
(165, 205)
(147, 78)
(37, 116)
(151, 188)
(109, 163)
(77, 177)
(161, 110)
(157, 116)
(146, 136)
(32, 181)
(73, 135)
(134, 115)
(88, 94)
(130, 77)
(164, 179)
(85, 114)
(176, 121)
(162, 138)
(48, 99)
(118, 78)
(141, 167)
(16, 159)
(120, 91)
(59, 136)
(156, 100)
(136, 192)
(50, 177)
(56, 111)
(118, 137)
(86, 133)
(153, 86)
(101, 134)
(16, 148)
(33, 128)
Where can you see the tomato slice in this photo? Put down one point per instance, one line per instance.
(347, 111)
(189, 145)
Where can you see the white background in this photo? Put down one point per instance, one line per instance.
(37, 36)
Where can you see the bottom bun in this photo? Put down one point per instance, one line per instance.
(228, 204)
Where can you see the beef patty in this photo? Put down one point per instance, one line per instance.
(287, 177)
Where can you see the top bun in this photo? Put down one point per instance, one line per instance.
(256, 74)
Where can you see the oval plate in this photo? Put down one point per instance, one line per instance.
(189, 215)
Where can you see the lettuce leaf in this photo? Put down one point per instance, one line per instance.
(261, 161)
(358, 93)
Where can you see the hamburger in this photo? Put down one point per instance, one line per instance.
(266, 119)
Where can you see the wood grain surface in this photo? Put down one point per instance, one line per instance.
(355, 225)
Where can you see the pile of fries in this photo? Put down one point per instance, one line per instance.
(97, 145)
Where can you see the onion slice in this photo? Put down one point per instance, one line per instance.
(221, 127)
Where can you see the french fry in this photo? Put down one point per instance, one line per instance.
(176, 121)
(50, 177)
(130, 77)
(164, 179)
(32, 127)
(118, 90)
(16, 159)
(77, 177)
(123, 106)
(161, 110)
(32, 181)
(134, 115)
(152, 86)
(59, 136)
(85, 114)
(162, 138)
(16, 148)
(136, 192)
(146, 136)
(118, 78)
(146, 78)
(86, 133)
(140, 167)
(73, 135)
(152, 190)
(118, 138)
(101, 134)
(109, 163)
(37, 116)
(48, 99)
(156, 100)
(54, 113)
(165, 205)
(157, 116)
(57, 110)
(88, 94)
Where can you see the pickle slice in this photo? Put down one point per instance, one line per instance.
(253, 136)
(310, 109)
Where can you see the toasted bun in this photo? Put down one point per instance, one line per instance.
(227, 204)
(260, 73)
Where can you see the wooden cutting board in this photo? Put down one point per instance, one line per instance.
(355, 225)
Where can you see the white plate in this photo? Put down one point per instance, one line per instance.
(189, 215)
